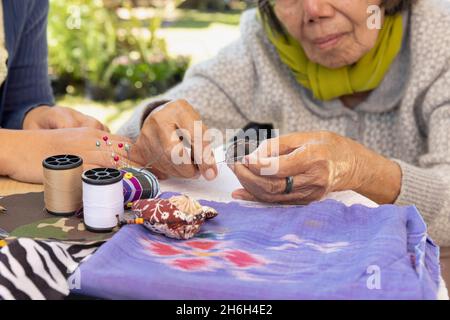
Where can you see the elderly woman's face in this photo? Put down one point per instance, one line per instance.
(333, 33)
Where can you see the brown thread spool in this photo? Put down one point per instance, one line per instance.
(62, 184)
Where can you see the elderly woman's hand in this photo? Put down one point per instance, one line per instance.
(319, 163)
(160, 143)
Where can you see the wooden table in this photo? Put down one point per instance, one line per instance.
(8, 187)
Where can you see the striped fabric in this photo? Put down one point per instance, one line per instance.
(141, 184)
(41, 269)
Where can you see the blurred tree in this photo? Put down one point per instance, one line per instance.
(215, 5)
(93, 47)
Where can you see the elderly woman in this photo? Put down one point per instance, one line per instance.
(370, 106)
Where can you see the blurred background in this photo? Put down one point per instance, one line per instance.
(107, 55)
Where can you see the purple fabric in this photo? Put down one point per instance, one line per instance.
(322, 251)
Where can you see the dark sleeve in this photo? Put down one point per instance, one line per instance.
(28, 84)
(150, 107)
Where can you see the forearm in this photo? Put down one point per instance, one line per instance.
(11, 140)
(429, 190)
(28, 85)
(364, 171)
(215, 107)
(219, 98)
(383, 182)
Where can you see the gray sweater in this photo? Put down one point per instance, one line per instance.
(407, 118)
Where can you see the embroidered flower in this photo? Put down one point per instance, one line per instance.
(203, 255)
(165, 215)
(178, 214)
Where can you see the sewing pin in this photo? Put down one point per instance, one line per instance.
(98, 145)
(127, 149)
(128, 175)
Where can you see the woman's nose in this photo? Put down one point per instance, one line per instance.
(314, 10)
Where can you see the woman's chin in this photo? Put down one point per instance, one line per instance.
(333, 60)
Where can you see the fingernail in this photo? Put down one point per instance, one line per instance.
(236, 195)
(210, 174)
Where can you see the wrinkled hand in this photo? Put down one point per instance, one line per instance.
(319, 162)
(160, 143)
(33, 146)
(45, 117)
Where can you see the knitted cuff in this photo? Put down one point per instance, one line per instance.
(423, 188)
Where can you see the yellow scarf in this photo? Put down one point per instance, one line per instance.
(364, 75)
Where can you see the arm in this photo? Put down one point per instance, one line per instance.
(212, 94)
(24, 150)
(28, 84)
(219, 89)
(427, 186)
(9, 139)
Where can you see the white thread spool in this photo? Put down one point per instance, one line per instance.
(102, 198)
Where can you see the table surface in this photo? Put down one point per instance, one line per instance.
(9, 186)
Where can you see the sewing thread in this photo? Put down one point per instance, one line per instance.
(102, 199)
(62, 184)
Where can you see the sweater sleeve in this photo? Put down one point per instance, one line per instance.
(427, 186)
(219, 89)
(28, 82)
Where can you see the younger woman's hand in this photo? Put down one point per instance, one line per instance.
(45, 117)
(28, 148)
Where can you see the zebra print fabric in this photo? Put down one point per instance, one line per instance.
(41, 269)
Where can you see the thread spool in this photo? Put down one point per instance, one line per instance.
(139, 184)
(102, 198)
(62, 184)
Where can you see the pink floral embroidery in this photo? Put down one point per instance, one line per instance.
(203, 255)
(204, 245)
(190, 264)
(164, 249)
(241, 259)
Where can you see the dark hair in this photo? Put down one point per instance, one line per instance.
(395, 6)
(392, 7)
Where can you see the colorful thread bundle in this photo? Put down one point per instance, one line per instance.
(62, 184)
(139, 184)
(102, 199)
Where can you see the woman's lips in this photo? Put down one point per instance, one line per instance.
(328, 41)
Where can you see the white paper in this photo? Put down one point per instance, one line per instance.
(220, 189)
